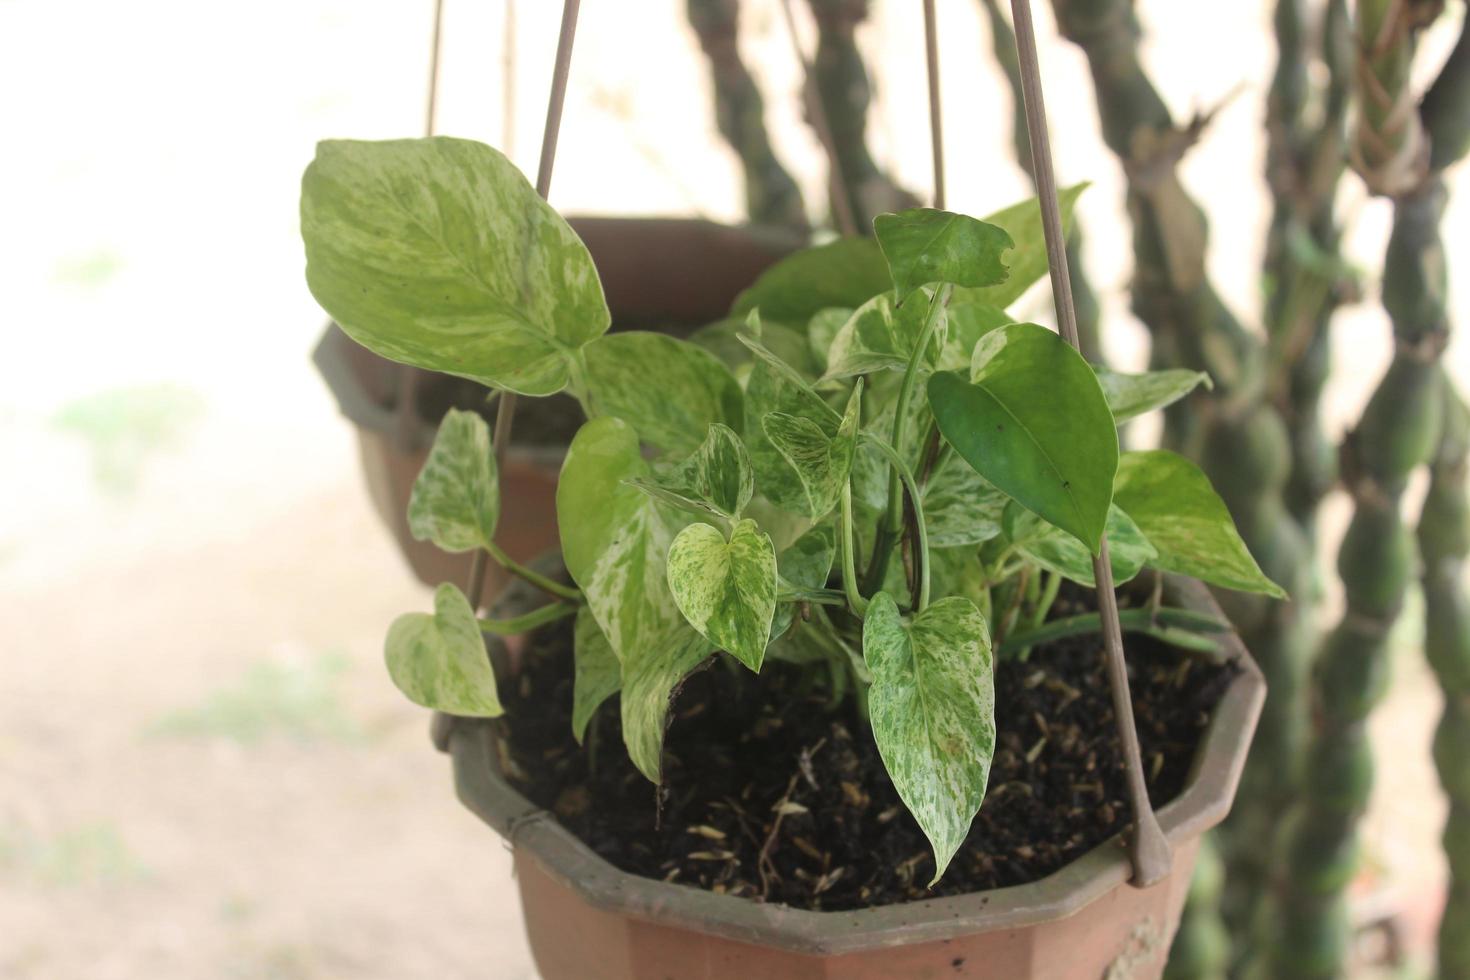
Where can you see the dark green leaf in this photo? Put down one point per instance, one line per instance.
(1034, 423)
(1027, 260)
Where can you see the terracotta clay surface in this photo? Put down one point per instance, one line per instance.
(586, 918)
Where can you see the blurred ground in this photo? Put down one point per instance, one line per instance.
(204, 770)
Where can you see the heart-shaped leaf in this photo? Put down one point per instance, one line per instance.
(716, 481)
(925, 245)
(1130, 395)
(1057, 551)
(880, 336)
(439, 660)
(1177, 509)
(726, 589)
(932, 706)
(438, 253)
(615, 543)
(1034, 423)
(1027, 260)
(456, 497)
(597, 676)
(669, 390)
(822, 463)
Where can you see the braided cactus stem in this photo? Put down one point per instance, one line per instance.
(771, 196)
(1235, 430)
(842, 81)
(1400, 430)
(1444, 544)
(1084, 299)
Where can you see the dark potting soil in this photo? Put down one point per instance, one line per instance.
(772, 794)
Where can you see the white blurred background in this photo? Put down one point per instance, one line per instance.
(204, 771)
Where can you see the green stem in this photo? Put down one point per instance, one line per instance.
(1048, 596)
(891, 526)
(1179, 627)
(534, 577)
(917, 503)
(528, 621)
(855, 600)
(823, 597)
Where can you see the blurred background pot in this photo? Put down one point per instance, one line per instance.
(667, 274)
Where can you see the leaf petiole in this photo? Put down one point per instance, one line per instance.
(534, 577)
(525, 623)
(906, 479)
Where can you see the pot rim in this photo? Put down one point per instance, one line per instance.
(1202, 804)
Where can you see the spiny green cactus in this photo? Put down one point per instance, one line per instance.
(1084, 299)
(771, 196)
(1235, 431)
(1399, 431)
(842, 81)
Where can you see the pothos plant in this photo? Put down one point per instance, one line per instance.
(869, 470)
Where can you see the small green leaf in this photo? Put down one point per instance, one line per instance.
(722, 339)
(615, 542)
(456, 497)
(806, 564)
(880, 336)
(720, 471)
(1130, 395)
(1034, 423)
(822, 463)
(438, 253)
(598, 674)
(1027, 260)
(932, 707)
(847, 272)
(439, 660)
(960, 506)
(924, 245)
(1175, 506)
(726, 589)
(822, 330)
(669, 390)
(1057, 551)
(774, 386)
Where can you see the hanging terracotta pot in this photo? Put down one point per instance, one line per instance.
(668, 274)
(586, 918)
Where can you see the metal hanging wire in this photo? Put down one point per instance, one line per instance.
(506, 412)
(1149, 849)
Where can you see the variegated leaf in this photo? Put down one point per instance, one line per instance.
(1130, 395)
(439, 660)
(881, 335)
(456, 497)
(597, 676)
(806, 564)
(437, 253)
(1179, 512)
(822, 463)
(967, 322)
(669, 390)
(960, 506)
(932, 707)
(1058, 551)
(615, 543)
(925, 245)
(726, 589)
(774, 386)
(822, 330)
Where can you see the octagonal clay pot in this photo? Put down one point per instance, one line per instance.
(587, 919)
(667, 274)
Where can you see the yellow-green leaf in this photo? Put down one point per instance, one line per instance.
(439, 660)
(726, 589)
(456, 497)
